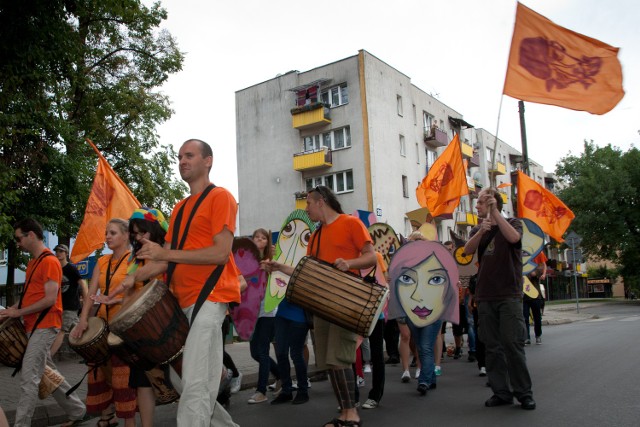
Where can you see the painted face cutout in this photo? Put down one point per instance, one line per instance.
(384, 239)
(246, 256)
(532, 244)
(421, 290)
(290, 248)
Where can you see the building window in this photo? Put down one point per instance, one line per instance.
(335, 96)
(405, 186)
(399, 104)
(427, 121)
(415, 115)
(334, 140)
(489, 155)
(417, 153)
(339, 182)
(403, 147)
(432, 155)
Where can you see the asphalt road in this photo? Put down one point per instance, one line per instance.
(584, 374)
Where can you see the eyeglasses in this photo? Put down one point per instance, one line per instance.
(19, 238)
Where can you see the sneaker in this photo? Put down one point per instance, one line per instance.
(406, 377)
(538, 340)
(236, 383)
(472, 356)
(301, 397)
(483, 372)
(360, 382)
(392, 360)
(438, 371)
(276, 386)
(527, 342)
(370, 404)
(257, 398)
(282, 398)
(367, 368)
(458, 353)
(422, 389)
(417, 373)
(308, 383)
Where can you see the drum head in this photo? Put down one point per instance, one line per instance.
(95, 326)
(113, 340)
(138, 304)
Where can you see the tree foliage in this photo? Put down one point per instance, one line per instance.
(602, 187)
(76, 69)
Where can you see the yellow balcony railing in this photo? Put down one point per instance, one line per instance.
(310, 116)
(499, 169)
(301, 204)
(312, 160)
(467, 150)
(504, 196)
(466, 218)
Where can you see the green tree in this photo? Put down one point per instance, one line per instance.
(76, 69)
(602, 187)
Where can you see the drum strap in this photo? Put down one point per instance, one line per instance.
(110, 276)
(217, 272)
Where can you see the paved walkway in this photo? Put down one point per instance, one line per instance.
(48, 413)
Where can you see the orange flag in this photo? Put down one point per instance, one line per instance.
(550, 64)
(446, 182)
(109, 198)
(542, 207)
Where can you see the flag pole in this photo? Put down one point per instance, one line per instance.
(523, 138)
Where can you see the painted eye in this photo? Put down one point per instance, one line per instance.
(304, 238)
(288, 230)
(405, 279)
(437, 280)
(525, 253)
(392, 249)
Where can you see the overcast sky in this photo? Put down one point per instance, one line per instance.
(456, 50)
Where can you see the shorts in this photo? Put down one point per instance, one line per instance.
(335, 346)
(69, 320)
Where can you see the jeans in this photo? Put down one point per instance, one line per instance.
(290, 339)
(502, 331)
(534, 305)
(377, 361)
(471, 329)
(263, 333)
(425, 339)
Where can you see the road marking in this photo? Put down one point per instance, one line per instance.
(630, 319)
(601, 319)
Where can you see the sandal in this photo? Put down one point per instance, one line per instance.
(72, 423)
(105, 421)
(351, 423)
(333, 423)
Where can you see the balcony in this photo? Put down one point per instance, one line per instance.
(436, 137)
(505, 197)
(471, 184)
(467, 150)
(301, 204)
(309, 160)
(310, 116)
(499, 169)
(475, 160)
(466, 218)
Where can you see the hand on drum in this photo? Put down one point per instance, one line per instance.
(9, 312)
(341, 264)
(106, 299)
(150, 250)
(79, 329)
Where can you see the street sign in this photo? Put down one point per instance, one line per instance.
(573, 239)
(574, 256)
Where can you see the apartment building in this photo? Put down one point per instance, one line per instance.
(360, 127)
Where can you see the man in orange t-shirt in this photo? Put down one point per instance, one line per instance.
(41, 292)
(207, 245)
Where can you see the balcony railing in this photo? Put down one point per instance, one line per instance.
(310, 116)
(505, 197)
(436, 137)
(315, 159)
(467, 150)
(499, 169)
(466, 218)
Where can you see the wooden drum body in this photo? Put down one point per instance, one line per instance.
(126, 354)
(341, 298)
(92, 345)
(152, 324)
(13, 342)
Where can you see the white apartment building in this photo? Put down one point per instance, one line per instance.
(360, 127)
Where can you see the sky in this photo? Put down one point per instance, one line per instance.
(455, 50)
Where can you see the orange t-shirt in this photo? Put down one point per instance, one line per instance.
(217, 211)
(48, 269)
(541, 258)
(117, 276)
(343, 238)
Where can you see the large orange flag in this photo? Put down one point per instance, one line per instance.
(109, 198)
(550, 64)
(446, 182)
(542, 207)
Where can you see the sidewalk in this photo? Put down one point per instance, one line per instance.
(48, 413)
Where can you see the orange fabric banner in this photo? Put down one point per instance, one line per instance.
(542, 207)
(550, 64)
(446, 182)
(109, 198)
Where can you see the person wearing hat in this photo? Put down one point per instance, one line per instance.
(72, 285)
